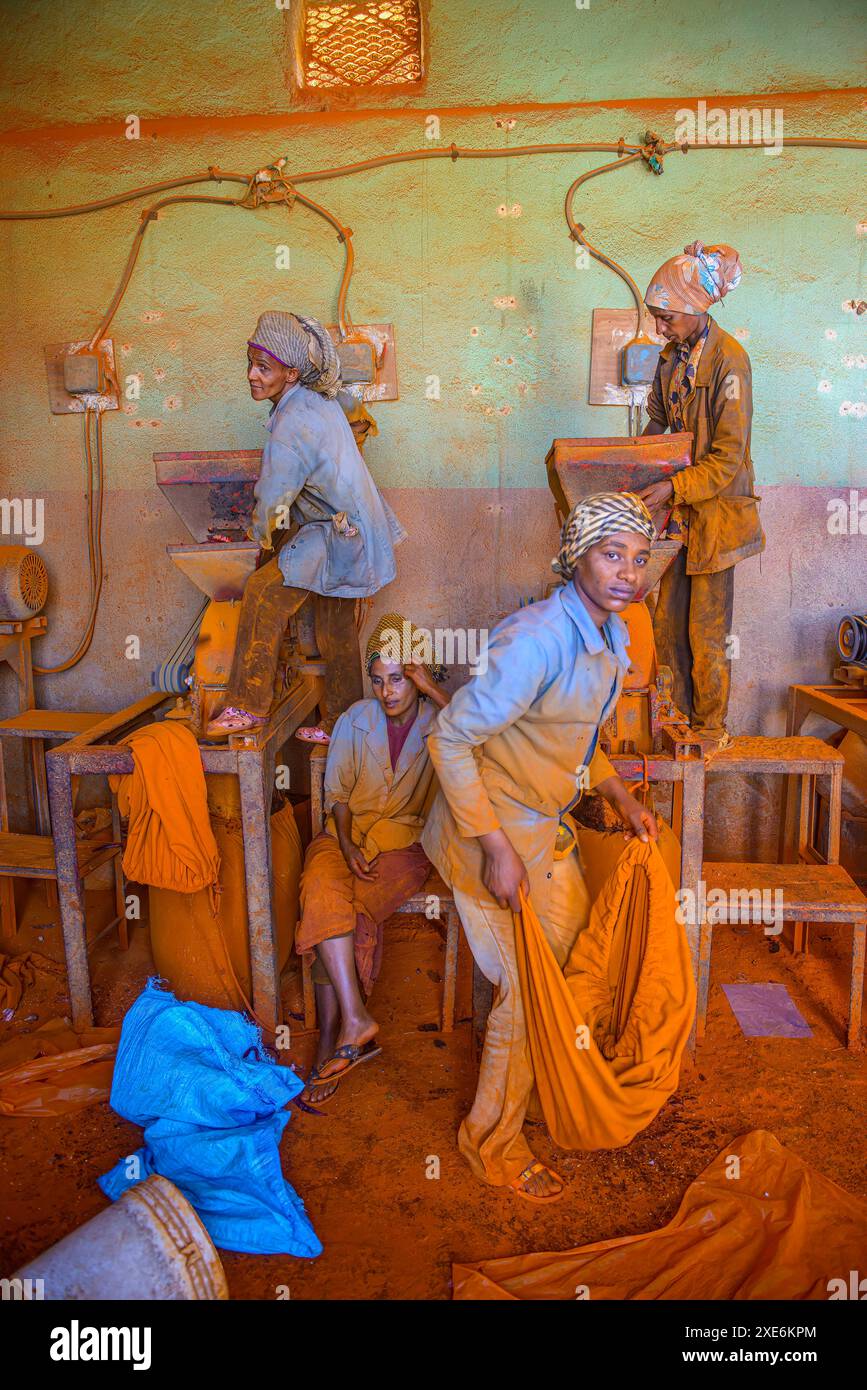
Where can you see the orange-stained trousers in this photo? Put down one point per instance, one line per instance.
(266, 608)
(334, 902)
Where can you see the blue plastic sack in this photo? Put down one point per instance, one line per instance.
(212, 1107)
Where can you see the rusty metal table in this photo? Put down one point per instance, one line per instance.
(251, 758)
(845, 705)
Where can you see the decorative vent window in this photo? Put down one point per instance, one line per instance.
(362, 43)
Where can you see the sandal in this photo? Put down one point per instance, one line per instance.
(353, 1054)
(531, 1170)
(312, 735)
(233, 721)
(316, 1080)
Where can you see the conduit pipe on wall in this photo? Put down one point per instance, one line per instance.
(270, 185)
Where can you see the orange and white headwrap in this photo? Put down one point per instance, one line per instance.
(594, 520)
(691, 283)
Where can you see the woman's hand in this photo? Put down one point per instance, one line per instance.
(415, 672)
(636, 817)
(656, 495)
(504, 872)
(358, 865)
(423, 682)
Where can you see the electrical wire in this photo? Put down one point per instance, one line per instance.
(94, 542)
(282, 189)
(576, 229)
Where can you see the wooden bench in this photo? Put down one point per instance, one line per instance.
(809, 892)
(814, 887)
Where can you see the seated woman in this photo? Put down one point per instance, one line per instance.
(379, 785)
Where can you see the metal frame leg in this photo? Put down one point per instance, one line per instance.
(856, 986)
(70, 891)
(453, 935)
(119, 885)
(698, 931)
(256, 831)
(8, 919)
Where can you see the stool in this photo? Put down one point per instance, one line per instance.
(810, 878)
(814, 892)
(812, 761)
(420, 902)
(37, 727)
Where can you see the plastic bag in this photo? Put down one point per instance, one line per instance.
(212, 1107)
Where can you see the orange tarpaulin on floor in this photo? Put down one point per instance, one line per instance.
(55, 1070)
(607, 1033)
(772, 1227)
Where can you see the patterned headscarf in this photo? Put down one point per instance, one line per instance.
(393, 640)
(691, 283)
(300, 342)
(594, 520)
(682, 386)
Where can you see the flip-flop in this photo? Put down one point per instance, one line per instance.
(312, 734)
(531, 1170)
(237, 722)
(314, 1080)
(353, 1054)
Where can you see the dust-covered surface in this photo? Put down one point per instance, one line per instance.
(389, 1229)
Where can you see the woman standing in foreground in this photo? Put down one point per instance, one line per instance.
(513, 751)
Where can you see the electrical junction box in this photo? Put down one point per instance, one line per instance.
(367, 358)
(82, 373)
(614, 330)
(357, 362)
(638, 362)
(81, 378)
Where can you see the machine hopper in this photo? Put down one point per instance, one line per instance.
(579, 467)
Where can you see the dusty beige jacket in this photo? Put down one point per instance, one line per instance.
(717, 492)
(388, 807)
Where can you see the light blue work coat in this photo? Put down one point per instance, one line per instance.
(509, 748)
(312, 470)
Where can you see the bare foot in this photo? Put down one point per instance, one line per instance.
(320, 1090)
(357, 1030)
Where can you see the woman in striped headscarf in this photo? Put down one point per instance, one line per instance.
(513, 752)
(379, 785)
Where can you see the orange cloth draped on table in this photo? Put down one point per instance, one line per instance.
(606, 1034)
(782, 1230)
(170, 843)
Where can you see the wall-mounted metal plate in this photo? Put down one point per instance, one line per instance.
(612, 330)
(381, 336)
(63, 402)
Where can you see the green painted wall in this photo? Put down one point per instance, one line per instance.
(433, 254)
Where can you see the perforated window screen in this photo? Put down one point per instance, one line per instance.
(362, 43)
